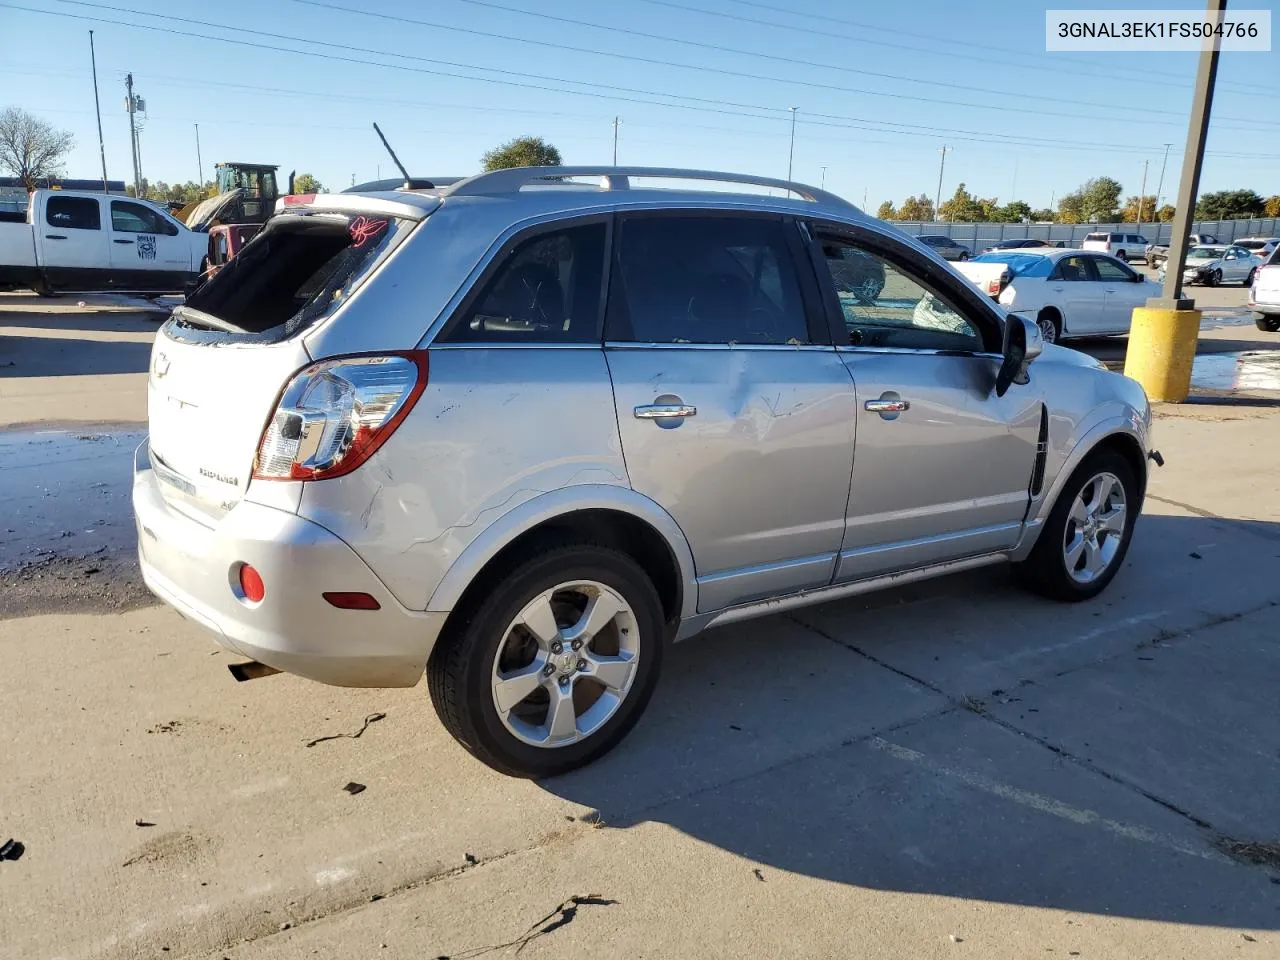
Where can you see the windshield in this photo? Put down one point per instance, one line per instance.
(1252, 244)
(1019, 264)
(297, 270)
(1203, 253)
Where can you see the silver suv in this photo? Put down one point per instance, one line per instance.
(524, 431)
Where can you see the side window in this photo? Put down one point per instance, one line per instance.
(1110, 272)
(705, 280)
(547, 290)
(127, 217)
(885, 307)
(73, 213)
(1073, 268)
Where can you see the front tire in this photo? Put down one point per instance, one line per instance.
(1050, 325)
(963, 255)
(1084, 541)
(1215, 278)
(550, 664)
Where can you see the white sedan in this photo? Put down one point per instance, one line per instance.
(1071, 293)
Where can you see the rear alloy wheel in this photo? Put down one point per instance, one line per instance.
(1086, 537)
(554, 664)
(1048, 324)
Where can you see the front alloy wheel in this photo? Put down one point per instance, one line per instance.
(1048, 329)
(1095, 528)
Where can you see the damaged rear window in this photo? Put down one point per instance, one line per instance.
(297, 270)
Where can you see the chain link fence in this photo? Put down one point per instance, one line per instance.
(976, 236)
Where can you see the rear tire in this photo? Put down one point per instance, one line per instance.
(1080, 550)
(1050, 324)
(1248, 281)
(488, 642)
(963, 255)
(1268, 324)
(1121, 256)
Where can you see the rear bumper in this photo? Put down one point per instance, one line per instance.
(1264, 308)
(192, 566)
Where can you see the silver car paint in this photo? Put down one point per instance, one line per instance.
(506, 438)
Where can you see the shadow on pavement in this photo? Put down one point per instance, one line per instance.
(963, 739)
(90, 321)
(22, 356)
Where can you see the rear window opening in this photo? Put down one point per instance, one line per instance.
(296, 271)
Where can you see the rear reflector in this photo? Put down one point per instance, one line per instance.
(352, 601)
(251, 584)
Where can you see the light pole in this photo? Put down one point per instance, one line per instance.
(1163, 163)
(617, 121)
(199, 161)
(1142, 195)
(792, 152)
(102, 151)
(937, 201)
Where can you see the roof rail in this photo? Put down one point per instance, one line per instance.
(617, 178)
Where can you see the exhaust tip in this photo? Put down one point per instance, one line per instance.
(250, 670)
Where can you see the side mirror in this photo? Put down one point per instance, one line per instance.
(1022, 344)
(1137, 278)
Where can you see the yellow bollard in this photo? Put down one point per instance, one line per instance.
(1162, 347)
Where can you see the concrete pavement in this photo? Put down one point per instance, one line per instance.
(872, 778)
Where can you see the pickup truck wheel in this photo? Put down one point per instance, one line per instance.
(1050, 324)
(1085, 539)
(550, 664)
(1268, 324)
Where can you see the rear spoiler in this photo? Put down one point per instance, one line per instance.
(404, 206)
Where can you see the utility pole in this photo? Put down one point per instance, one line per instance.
(937, 202)
(864, 198)
(823, 184)
(102, 151)
(792, 152)
(199, 160)
(1013, 193)
(617, 121)
(1142, 195)
(131, 104)
(1163, 334)
(1163, 163)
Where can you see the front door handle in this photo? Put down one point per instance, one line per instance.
(888, 405)
(122, 241)
(661, 411)
(54, 236)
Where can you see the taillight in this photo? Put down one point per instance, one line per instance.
(334, 415)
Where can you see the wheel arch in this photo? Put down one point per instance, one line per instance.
(609, 515)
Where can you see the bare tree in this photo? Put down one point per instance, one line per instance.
(30, 148)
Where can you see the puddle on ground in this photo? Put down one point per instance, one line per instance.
(65, 493)
(1250, 370)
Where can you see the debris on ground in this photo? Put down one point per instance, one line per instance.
(1258, 853)
(143, 823)
(93, 583)
(561, 916)
(759, 875)
(12, 849)
(353, 788)
(471, 858)
(371, 718)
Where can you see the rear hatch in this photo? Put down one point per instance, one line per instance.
(221, 360)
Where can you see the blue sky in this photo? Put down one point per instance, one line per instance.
(879, 88)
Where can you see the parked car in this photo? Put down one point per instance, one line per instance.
(1264, 295)
(1259, 246)
(1119, 245)
(1220, 263)
(1018, 244)
(523, 436)
(1156, 253)
(945, 247)
(1068, 293)
(95, 241)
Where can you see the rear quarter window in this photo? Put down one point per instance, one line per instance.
(73, 213)
(1096, 236)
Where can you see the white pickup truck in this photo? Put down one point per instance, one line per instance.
(97, 241)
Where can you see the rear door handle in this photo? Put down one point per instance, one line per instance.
(122, 241)
(54, 236)
(887, 405)
(661, 411)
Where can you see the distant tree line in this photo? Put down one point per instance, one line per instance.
(1097, 200)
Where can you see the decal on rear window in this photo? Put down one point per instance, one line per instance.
(364, 228)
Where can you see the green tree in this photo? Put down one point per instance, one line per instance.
(1043, 215)
(30, 148)
(1015, 212)
(962, 207)
(1229, 205)
(886, 211)
(1101, 200)
(916, 208)
(306, 183)
(1129, 212)
(1166, 213)
(1271, 206)
(1071, 207)
(522, 152)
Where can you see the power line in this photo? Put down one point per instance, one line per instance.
(1091, 66)
(700, 104)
